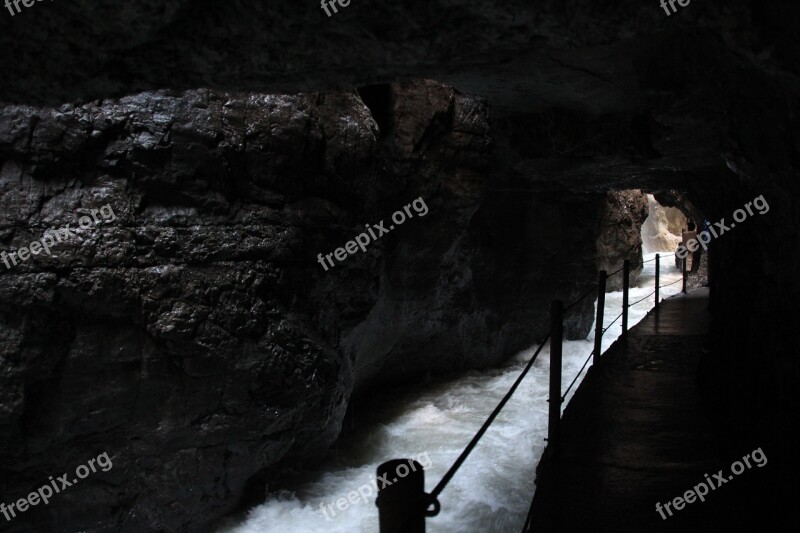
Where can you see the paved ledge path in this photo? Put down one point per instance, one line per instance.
(640, 431)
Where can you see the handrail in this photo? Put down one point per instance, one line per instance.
(424, 501)
(620, 269)
(461, 458)
(579, 300)
(673, 283)
(615, 320)
(577, 375)
(612, 323)
(643, 299)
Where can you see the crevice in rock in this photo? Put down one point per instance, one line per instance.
(378, 98)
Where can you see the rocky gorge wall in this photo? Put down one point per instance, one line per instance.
(196, 339)
(620, 236)
(663, 228)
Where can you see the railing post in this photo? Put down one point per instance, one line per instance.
(401, 497)
(553, 426)
(658, 272)
(601, 304)
(683, 271)
(626, 281)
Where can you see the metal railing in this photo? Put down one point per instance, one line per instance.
(403, 505)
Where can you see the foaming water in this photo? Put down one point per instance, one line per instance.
(493, 489)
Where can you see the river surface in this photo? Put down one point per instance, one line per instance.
(492, 491)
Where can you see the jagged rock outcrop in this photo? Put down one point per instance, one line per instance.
(662, 230)
(620, 236)
(193, 338)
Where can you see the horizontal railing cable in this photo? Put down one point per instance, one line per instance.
(612, 323)
(577, 375)
(615, 272)
(673, 283)
(461, 458)
(643, 299)
(579, 300)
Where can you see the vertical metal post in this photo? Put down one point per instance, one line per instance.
(626, 281)
(658, 274)
(557, 325)
(683, 271)
(401, 497)
(601, 304)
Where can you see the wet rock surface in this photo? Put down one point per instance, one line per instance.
(662, 230)
(195, 337)
(620, 236)
(179, 337)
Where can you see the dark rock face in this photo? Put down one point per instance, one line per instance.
(572, 54)
(195, 338)
(472, 283)
(620, 235)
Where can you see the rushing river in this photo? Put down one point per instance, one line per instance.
(493, 489)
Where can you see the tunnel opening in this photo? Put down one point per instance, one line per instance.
(673, 230)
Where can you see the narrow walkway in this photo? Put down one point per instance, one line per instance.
(639, 431)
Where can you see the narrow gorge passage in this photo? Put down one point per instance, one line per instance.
(251, 250)
(493, 490)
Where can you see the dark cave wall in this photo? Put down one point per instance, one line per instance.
(752, 369)
(65, 51)
(190, 338)
(196, 339)
(472, 283)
